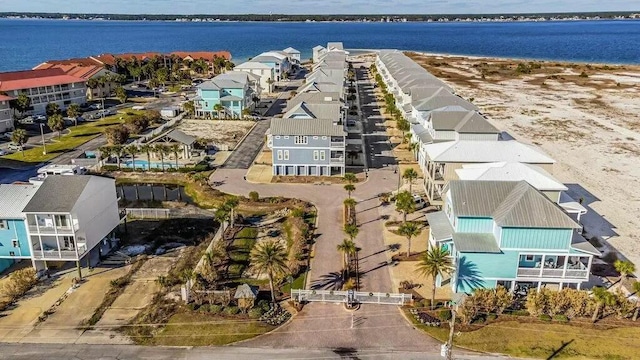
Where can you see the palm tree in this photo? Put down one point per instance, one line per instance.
(415, 146)
(350, 188)
(405, 204)
(351, 230)
(189, 107)
(218, 108)
(625, 268)
(409, 230)
(231, 204)
(105, 152)
(117, 150)
(20, 137)
(269, 257)
(73, 111)
(160, 149)
(349, 203)
(603, 298)
(347, 248)
(133, 150)
(435, 262)
(56, 123)
(221, 215)
(410, 174)
(350, 178)
(175, 149)
(636, 289)
(148, 149)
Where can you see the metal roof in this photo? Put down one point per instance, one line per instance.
(439, 226)
(252, 65)
(313, 98)
(180, 137)
(475, 243)
(441, 100)
(246, 291)
(58, 194)
(291, 50)
(509, 203)
(13, 198)
(486, 151)
(230, 98)
(511, 171)
(463, 122)
(579, 243)
(308, 127)
(422, 134)
(329, 110)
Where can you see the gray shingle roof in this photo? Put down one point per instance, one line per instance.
(306, 127)
(475, 243)
(58, 194)
(246, 291)
(462, 122)
(578, 242)
(439, 225)
(509, 203)
(329, 110)
(13, 198)
(180, 137)
(313, 98)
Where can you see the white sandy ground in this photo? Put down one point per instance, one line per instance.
(594, 135)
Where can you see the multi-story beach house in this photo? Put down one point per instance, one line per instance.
(443, 158)
(6, 114)
(71, 218)
(277, 60)
(294, 55)
(14, 241)
(307, 147)
(43, 87)
(234, 92)
(508, 233)
(264, 71)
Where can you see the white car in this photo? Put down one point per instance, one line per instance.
(419, 202)
(3, 152)
(7, 135)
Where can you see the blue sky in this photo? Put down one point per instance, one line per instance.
(316, 6)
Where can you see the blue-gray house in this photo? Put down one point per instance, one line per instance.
(14, 241)
(307, 147)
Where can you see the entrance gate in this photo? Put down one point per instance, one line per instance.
(350, 297)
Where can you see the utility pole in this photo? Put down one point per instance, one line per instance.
(44, 144)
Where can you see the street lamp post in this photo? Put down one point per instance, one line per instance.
(44, 145)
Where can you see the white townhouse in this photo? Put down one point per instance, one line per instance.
(266, 73)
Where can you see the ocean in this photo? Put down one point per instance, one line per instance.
(26, 43)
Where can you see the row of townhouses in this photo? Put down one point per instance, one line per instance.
(504, 218)
(235, 94)
(310, 138)
(57, 219)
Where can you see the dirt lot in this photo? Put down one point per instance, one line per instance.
(585, 116)
(220, 132)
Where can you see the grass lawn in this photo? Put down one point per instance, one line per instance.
(201, 329)
(77, 136)
(540, 340)
(240, 249)
(298, 283)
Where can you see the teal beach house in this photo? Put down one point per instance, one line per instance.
(14, 241)
(510, 234)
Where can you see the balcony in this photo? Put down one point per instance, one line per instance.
(62, 230)
(337, 144)
(337, 161)
(554, 266)
(54, 253)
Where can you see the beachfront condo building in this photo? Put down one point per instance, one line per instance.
(43, 87)
(265, 72)
(6, 114)
(105, 81)
(307, 147)
(227, 95)
(508, 233)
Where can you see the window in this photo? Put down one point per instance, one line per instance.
(322, 156)
(324, 138)
(315, 155)
(315, 138)
(300, 140)
(68, 242)
(279, 154)
(15, 243)
(528, 258)
(278, 137)
(286, 154)
(286, 137)
(12, 253)
(4, 225)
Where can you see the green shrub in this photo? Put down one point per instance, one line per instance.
(254, 196)
(561, 318)
(110, 168)
(215, 309)
(491, 317)
(544, 317)
(20, 281)
(584, 75)
(520, 313)
(192, 307)
(479, 320)
(444, 315)
(255, 313)
(264, 305)
(231, 310)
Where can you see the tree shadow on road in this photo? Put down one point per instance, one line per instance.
(330, 281)
(346, 353)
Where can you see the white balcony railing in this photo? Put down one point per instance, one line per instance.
(64, 230)
(339, 144)
(339, 160)
(553, 273)
(65, 254)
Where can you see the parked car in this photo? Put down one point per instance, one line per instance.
(419, 202)
(7, 135)
(14, 147)
(40, 118)
(26, 121)
(3, 152)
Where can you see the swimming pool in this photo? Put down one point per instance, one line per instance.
(144, 164)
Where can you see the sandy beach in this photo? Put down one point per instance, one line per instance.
(585, 116)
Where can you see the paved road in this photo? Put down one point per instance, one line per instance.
(130, 352)
(242, 157)
(375, 326)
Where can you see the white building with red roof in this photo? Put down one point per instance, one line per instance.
(86, 68)
(6, 115)
(43, 87)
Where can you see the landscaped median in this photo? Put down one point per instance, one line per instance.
(76, 136)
